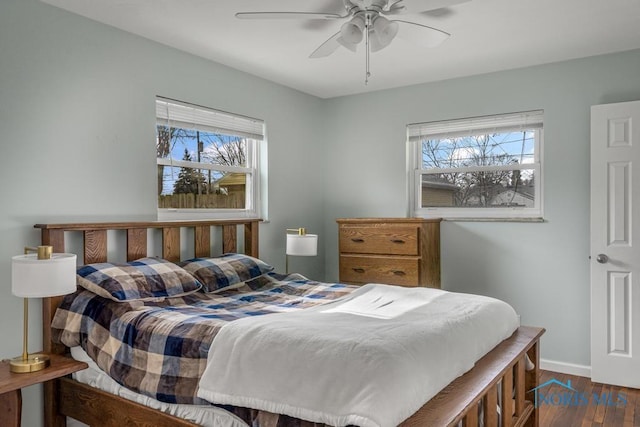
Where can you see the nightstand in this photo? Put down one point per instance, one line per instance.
(12, 383)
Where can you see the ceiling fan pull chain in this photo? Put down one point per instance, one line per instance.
(366, 29)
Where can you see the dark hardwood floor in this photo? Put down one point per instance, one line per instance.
(590, 405)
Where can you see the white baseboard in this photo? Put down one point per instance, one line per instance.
(565, 368)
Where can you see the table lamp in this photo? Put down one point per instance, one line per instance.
(299, 243)
(39, 275)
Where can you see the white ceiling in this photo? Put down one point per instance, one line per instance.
(487, 35)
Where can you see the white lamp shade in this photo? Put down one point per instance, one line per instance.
(305, 245)
(39, 278)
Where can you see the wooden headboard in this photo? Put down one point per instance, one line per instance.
(95, 247)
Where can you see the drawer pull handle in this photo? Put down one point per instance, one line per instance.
(399, 241)
(356, 240)
(358, 270)
(399, 272)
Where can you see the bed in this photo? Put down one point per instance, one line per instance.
(497, 380)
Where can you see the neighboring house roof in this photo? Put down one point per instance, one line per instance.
(513, 196)
(525, 191)
(232, 179)
(438, 184)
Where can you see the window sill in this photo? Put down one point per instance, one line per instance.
(524, 219)
(195, 214)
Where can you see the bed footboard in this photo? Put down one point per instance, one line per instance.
(496, 388)
(495, 391)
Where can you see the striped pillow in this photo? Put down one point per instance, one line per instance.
(226, 271)
(143, 279)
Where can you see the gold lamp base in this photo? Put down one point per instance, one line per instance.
(33, 363)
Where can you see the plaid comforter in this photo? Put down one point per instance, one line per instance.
(159, 348)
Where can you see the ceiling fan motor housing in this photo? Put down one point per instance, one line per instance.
(378, 5)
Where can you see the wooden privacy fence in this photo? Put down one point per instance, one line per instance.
(191, 201)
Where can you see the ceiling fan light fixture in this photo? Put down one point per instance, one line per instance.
(351, 46)
(382, 33)
(352, 31)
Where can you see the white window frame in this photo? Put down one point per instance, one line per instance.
(418, 132)
(190, 116)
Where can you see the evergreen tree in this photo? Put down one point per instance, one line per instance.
(189, 180)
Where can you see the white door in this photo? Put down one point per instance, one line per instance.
(615, 244)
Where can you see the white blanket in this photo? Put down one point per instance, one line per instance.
(370, 359)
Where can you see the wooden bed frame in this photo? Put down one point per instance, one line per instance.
(462, 401)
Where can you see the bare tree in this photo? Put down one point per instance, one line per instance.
(225, 150)
(167, 137)
(478, 150)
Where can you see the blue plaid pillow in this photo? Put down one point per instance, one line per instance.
(143, 279)
(226, 271)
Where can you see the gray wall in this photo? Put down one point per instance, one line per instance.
(542, 269)
(77, 130)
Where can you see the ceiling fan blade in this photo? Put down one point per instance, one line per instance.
(417, 6)
(421, 34)
(396, 8)
(328, 47)
(288, 15)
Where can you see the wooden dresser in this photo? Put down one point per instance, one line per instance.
(395, 251)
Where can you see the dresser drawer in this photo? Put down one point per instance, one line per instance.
(385, 239)
(402, 271)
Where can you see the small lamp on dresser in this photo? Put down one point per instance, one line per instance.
(39, 275)
(299, 243)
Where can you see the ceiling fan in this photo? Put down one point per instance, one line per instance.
(368, 21)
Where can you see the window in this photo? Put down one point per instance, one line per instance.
(481, 167)
(208, 162)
